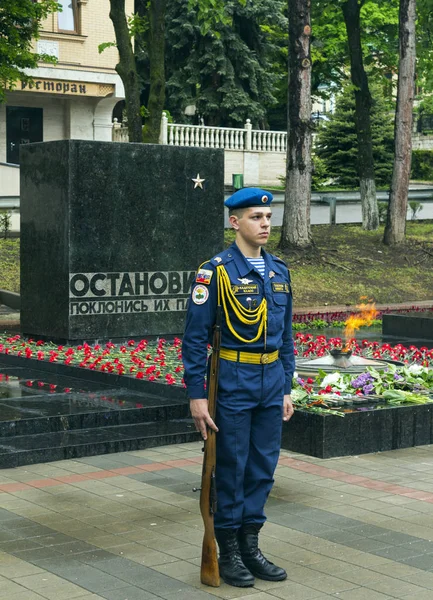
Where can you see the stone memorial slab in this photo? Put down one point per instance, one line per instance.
(409, 325)
(111, 236)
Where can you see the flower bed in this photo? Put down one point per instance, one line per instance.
(310, 346)
(161, 361)
(392, 386)
(320, 320)
(152, 361)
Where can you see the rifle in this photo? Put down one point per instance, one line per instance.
(209, 572)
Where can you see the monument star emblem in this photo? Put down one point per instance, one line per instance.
(198, 182)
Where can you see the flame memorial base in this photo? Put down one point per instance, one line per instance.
(365, 430)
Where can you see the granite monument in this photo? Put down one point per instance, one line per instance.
(111, 236)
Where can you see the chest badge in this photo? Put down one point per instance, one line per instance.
(281, 288)
(271, 274)
(244, 280)
(217, 259)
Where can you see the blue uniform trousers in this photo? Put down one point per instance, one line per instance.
(249, 417)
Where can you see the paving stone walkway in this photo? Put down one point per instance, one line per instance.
(127, 527)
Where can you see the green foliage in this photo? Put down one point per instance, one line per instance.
(225, 70)
(137, 26)
(144, 112)
(425, 115)
(20, 21)
(330, 52)
(424, 48)
(322, 324)
(319, 173)
(210, 14)
(416, 208)
(383, 211)
(422, 165)
(426, 106)
(337, 144)
(10, 264)
(106, 45)
(5, 222)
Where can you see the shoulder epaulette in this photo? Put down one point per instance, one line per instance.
(280, 260)
(221, 259)
(218, 259)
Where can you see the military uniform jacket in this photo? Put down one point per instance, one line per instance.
(249, 288)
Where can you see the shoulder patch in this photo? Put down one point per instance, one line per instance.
(200, 294)
(204, 276)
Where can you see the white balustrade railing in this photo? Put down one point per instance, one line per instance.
(120, 132)
(268, 141)
(205, 136)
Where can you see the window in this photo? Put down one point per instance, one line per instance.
(68, 18)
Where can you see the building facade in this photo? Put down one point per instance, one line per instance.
(72, 99)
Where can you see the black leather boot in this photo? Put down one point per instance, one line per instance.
(232, 569)
(252, 556)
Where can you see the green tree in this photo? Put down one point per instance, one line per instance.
(424, 44)
(147, 70)
(127, 68)
(150, 43)
(330, 50)
(20, 22)
(363, 101)
(296, 230)
(395, 228)
(337, 146)
(226, 68)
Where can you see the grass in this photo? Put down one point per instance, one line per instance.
(343, 264)
(10, 264)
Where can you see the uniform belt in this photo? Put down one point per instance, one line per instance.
(252, 358)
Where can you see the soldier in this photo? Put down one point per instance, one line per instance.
(256, 370)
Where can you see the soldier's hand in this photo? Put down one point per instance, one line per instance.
(201, 416)
(287, 408)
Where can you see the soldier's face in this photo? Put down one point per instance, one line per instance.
(253, 226)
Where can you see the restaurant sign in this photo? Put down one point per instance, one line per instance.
(68, 88)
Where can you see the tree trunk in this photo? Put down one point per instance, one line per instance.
(396, 219)
(296, 230)
(127, 70)
(156, 49)
(367, 185)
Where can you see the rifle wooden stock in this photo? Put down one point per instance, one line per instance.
(209, 572)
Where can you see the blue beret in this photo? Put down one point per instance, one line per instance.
(249, 197)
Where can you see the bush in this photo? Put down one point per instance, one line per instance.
(422, 165)
(5, 222)
(415, 207)
(319, 176)
(383, 211)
